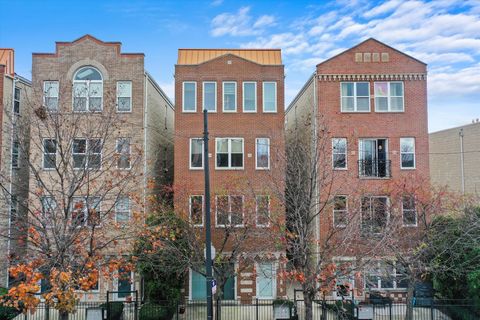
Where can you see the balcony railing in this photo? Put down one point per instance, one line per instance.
(374, 168)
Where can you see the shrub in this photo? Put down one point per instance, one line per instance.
(151, 311)
(116, 309)
(7, 313)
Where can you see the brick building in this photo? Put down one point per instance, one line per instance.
(243, 91)
(454, 158)
(14, 95)
(369, 103)
(99, 118)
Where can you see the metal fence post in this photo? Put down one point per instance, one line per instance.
(256, 308)
(135, 305)
(432, 309)
(177, 309)
(390, 305)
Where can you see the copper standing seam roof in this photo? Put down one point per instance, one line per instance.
(260, 56)
(6, 58)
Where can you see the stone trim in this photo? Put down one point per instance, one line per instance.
(368, 77)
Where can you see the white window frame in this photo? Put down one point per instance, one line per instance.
(345, 211)
(389, 96)
(256, 211)
(414, 210)
(129, 96)
(255, 95)
(87, 83)
(88, 154)
(119, 153)
(86, 208)
(334, 153)
(394, 276)
(263, 97)
(203, 95)
(256, 154)
(229, 211)
(183, 97)
(355, 108)
(190, 154)
(223, 97)
(339, 260)
(229, 152)
(190, 209)
(132, 286)
(15, 100)
(129, 209)
(44, 153)
(274, 280)
(15, 154)
(45, 94)
(414, 155)
(388, 209)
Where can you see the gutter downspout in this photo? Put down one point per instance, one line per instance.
(462, 161)
(315, 135)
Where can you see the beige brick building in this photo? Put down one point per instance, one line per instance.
(454, 158)
(14, 97)
(102, 130)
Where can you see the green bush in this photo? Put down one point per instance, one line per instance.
(116, 309)
(151, 311)
(7, 313)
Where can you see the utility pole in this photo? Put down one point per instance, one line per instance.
(208, 236)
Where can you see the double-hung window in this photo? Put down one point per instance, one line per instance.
(123, 153)
(229, 211)
(87, 153)
(355, 96)
(210, 96)
(375, 214)
(269, 97)
(385, 275)
(229, 96)
(50, 95)
(266, 280)
(263, 211)
(15, 154)
(262, 154)
(389, 97)
(407, 153)
(13, 208)
(88, 90)
(49, 205)
(340, 211)
(339, 153)
(122, 209)
(49, 153)
(16, 101)
(249, 96)
(409, 211)
(189, 98)
(85, 211)
(124, 96)
(196, 153)
(196, 210)
(229, 153)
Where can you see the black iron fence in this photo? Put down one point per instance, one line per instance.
(257, 309)
(375, 168)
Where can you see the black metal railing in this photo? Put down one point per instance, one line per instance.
(374, 168)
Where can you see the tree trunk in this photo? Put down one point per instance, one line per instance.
(62, 315)
(308, 301)
(411, 288)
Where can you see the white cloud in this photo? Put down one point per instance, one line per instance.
(240, 23)
(288, 42)
(382, 9)
(462, 82)
(216, 3)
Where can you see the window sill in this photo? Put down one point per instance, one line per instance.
(227, 169)
(374, 178)
(263, 169)
(377, 111)
(408, 169)
(340, 169)
(355, 112)
(195, 169)
(129, 111)
(410, 225)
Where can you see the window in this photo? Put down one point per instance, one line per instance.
(87, 90)
(229, 96)
(196, 210)
(249, 97)
(407, 153)
(409, 211)
(210, 96)
(124, 283)
(49, 153)
(16, 101)
(384, 275)
(340, 211)
(189, 97)
(15, 154)
(48, 206)
(266, 280)
(13, 208)
(123, 151)
(50, 97)
(87, 153)
(196, 153)
(124, 96)
(229, 211)
(85, 211)
(375, 212)
(339, 153)
(355, 96)
(122, 209)
(373, 159)
(262, 155)
(198, 285)
(269, 97)
(389, 97)
(263, 211)
(229, 153)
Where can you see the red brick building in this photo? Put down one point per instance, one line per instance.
(371, 102)
(243, 90)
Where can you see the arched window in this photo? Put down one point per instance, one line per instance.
(87, 90)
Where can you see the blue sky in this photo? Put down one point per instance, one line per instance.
(443, 33)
